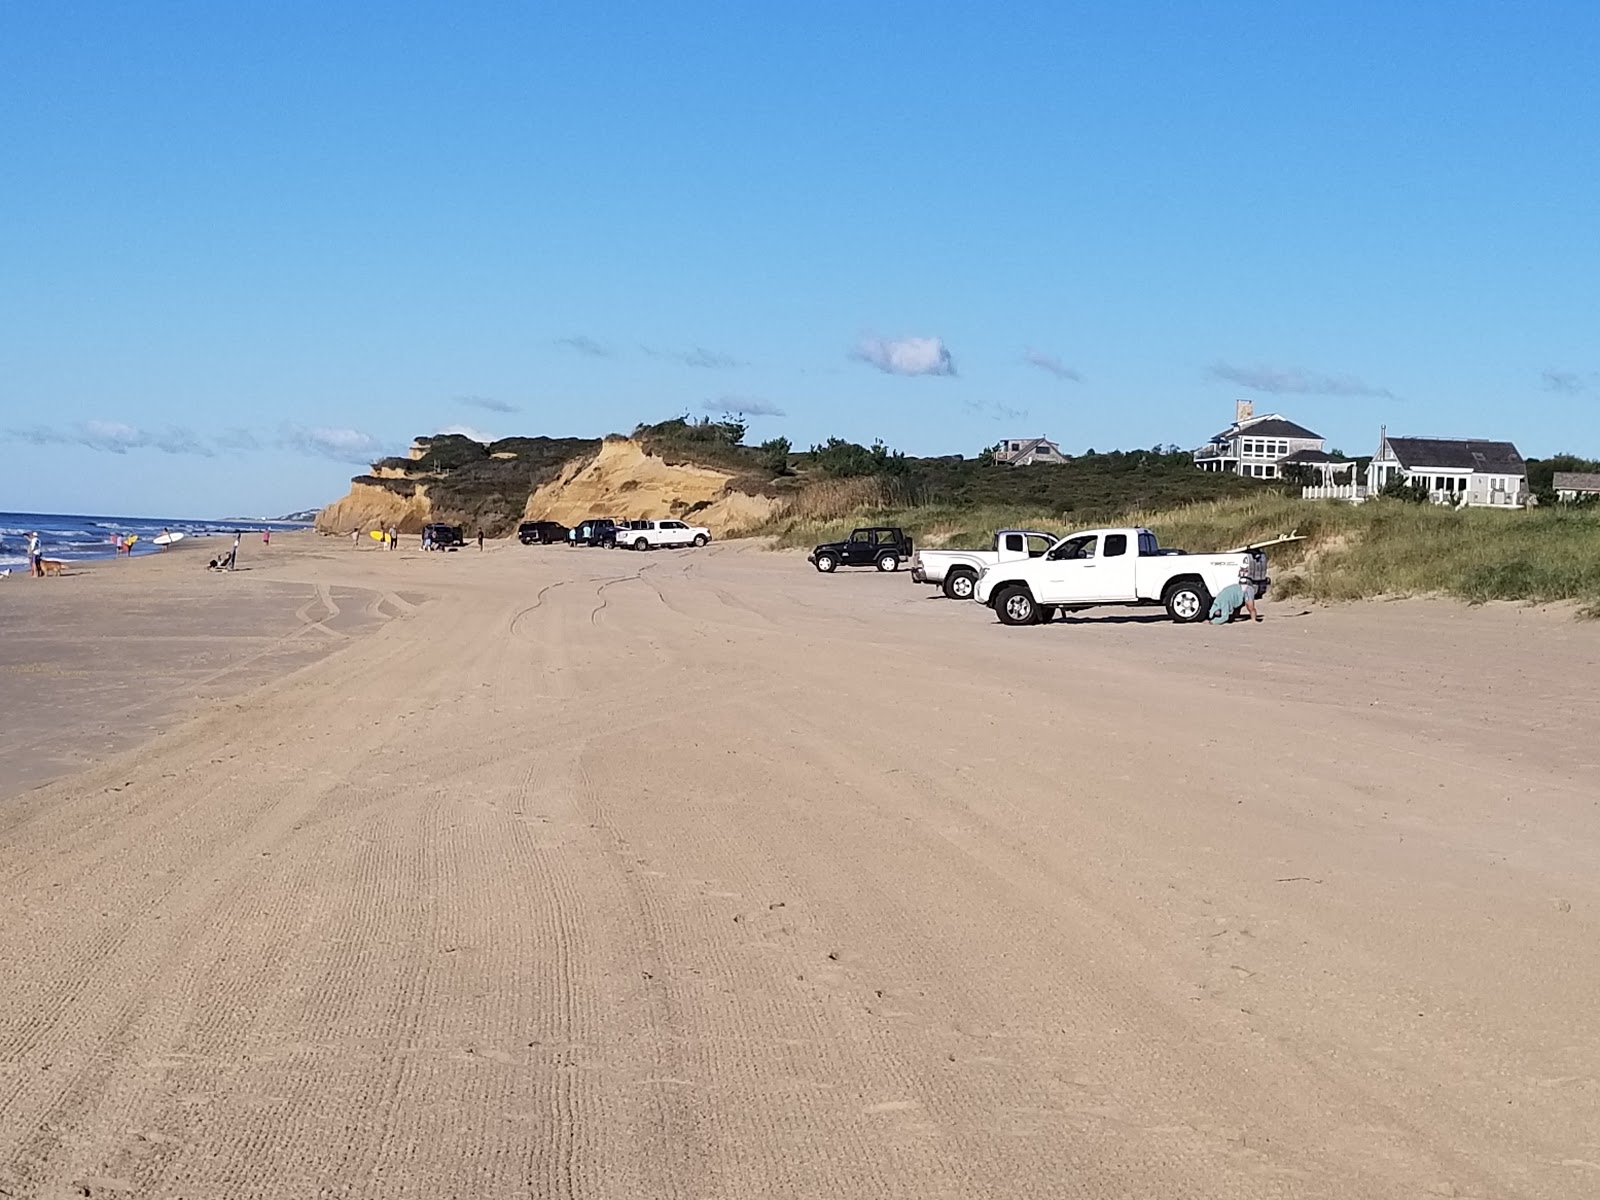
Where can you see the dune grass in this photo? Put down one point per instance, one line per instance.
(1350, 552)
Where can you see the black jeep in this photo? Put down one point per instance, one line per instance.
(542, 532)
(595, 531)
(881, 546)
(443, 536)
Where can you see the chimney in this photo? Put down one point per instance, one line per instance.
(1243, 410)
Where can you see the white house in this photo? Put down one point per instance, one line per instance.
(1453, 470)
(1256, 446)
(1024, 452)
(1575, 485)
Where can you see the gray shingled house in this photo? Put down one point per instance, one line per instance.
(1471, 471)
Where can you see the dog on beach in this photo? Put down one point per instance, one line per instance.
(52, 566)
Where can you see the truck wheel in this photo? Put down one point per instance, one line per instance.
(1187, 602)
(640, 544)
(958, 585)
(1015, 606)
(826, 563)
(699, 539)
(889, 562)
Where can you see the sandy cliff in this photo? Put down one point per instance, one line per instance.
(619, 480)
(623, 481)
(369, 506)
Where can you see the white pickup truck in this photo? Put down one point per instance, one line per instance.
(956, 571)
(652, 535)
(1115, 566)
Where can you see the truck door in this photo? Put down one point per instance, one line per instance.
(1115, 572)
(1072, 577)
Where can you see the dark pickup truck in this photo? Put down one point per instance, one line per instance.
(880, 546)
(542, 532)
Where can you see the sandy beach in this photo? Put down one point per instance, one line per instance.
(559, 873)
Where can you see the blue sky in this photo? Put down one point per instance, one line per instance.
(244, 247)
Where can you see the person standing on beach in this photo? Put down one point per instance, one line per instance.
(394, 537)
(266, 537)
(480, 541)
(35, 555)
(233, 555)
(166, 533)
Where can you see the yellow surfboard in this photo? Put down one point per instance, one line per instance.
(377, 535)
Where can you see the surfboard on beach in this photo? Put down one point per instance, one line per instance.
(377, 535)
(166, 539)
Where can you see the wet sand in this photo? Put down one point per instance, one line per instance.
(580, 873)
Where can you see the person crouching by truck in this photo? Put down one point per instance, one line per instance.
(1234, 597)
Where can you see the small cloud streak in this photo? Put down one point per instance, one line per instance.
(488, 404)
(743, 406)
(1051, 364)
(341, 445)
(584, 344)
(995, 410)
(117, 437)
(700, 357)
(906, 356)
(1568, 383)
(1295, 381)
(238, 439)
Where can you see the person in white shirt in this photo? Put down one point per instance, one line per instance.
(1248, 587)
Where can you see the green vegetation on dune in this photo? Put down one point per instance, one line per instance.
(1350, 552)
(1388, 546)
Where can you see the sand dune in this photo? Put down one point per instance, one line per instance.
(588, 873)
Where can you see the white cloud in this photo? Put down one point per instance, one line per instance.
(342, 445)
(1296, 381)
(1050, 363)
(906, 356)
(743, 406)
(476, 435)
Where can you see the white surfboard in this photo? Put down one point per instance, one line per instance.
(166, 539)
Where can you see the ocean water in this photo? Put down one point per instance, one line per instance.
(75, 538)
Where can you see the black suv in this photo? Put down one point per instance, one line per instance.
(881, 546)
(443, 535)
(596, 531)
(541, 532)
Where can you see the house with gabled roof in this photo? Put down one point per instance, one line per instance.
(1570, 486)
(1256, 446)
(1024, 452)
(1473, 471)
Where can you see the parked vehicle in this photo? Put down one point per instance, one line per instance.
(652, 535)
(880, 546)
(593, 531)
(541, 532)
(443, 536)
(956, 571)
(1115, 566)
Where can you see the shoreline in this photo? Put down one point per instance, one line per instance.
(102, 659)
